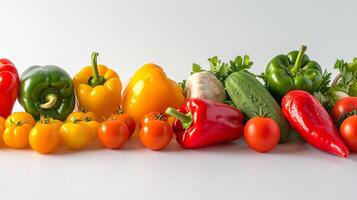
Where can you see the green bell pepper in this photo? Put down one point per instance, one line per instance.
(292, 71)
(47, 91)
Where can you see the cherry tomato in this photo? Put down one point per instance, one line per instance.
(17, 129)
(128, 120)
(87, 116)
(343, 106)
(45, 136)
(262, 134)
(113, 133)
(156, 134)
(153, 116)
(348, 131)
(21, 118)
(76, 135)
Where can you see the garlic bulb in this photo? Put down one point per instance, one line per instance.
(205, 85)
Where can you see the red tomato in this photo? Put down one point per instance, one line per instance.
(343, 106)
(153, 116)
(113, 133)
(348, 132)
(262, 134)
(156, 134)
(128, 120)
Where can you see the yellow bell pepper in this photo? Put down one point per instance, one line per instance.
(98, 89)
(151, 90)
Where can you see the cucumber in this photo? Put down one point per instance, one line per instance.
(252, 98)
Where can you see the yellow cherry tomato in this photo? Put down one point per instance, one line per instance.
(87, 117)
(76, 135)
(20, 117)
(18, 126)
(45, 136)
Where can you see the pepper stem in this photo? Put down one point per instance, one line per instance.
(186, 119)
(51, 101)
(96, 79)
(298, 61)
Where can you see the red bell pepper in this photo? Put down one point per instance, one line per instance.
(9, 86)
(201, 123)
(309, 118)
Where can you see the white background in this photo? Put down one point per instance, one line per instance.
(174, 34)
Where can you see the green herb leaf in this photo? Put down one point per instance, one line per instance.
(182, 84)
(196, 68)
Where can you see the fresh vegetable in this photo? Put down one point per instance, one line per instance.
(98, 89)
(9, 86)
(343, 109)
(45, 135)
(2, 128)
(127, 119)
(290, 72)
(204, 85)
(309, 118)
(47, 91)
(155, 115)
(202, 122)
(251, 97)
(87, 117)
(18, 126)
(76, 135)
(156, 134)
(201, 83)
(113, 133)
(84, 116)
(344, 84)
(150, 90)
(262, 134)
(348, 132)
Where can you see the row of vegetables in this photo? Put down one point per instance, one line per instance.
(215, 105)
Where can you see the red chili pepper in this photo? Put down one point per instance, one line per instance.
(201, 123)
(309, 118)
(9, 86)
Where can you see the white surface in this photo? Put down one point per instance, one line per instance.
(175, 34)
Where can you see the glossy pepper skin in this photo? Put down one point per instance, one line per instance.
(151, 90)
(201, 122)
(294, 71)
(309, 118)
(9, 86)
(98, 89)
(47, 91)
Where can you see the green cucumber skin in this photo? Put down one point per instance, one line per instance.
(249, 95)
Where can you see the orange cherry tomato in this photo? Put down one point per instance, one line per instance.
(113, 133)
(156, 134)
(153, 116)
(348, 131)
(18, 126)
(45, 136)
(128, 120)
(262, 134)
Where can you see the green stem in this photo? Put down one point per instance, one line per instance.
(298, 61)
(96, 79)
(51, 101)
(186, 119)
